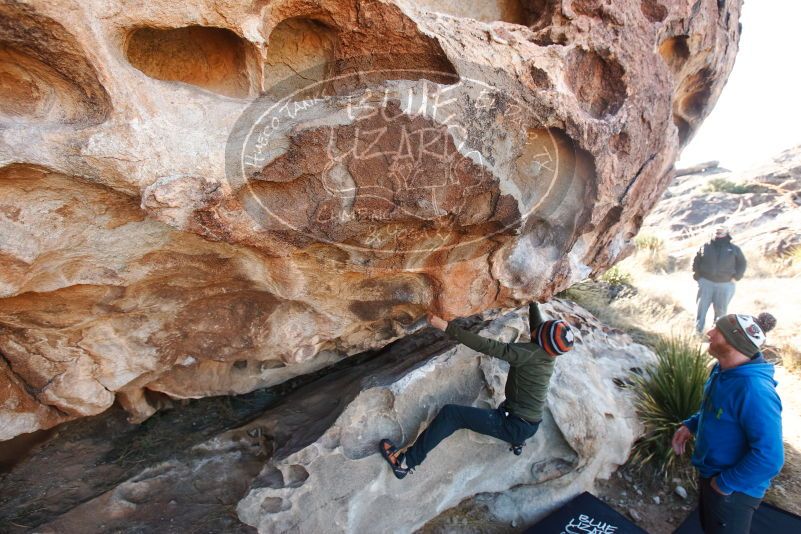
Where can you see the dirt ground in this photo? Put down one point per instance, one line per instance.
(652, 505)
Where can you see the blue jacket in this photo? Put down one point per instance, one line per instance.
(738, 430)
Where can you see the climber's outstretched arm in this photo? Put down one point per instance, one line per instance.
(490, 347)
(535, 318)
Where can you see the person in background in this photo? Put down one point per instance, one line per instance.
(518, 417)
(716, 266)
(738, 428)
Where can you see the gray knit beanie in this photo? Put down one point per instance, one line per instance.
(746, 333)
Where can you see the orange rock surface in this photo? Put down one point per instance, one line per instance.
(207, 198)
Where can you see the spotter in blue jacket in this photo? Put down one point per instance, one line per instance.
(738, 429)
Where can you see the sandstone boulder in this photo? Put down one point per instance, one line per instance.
(206, 199)
(310, 463)
(339, 483)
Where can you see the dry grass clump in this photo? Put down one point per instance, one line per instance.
(651, 255)
(787, 265)
(649, 242)
(617, 276)
(793, 255)
(792, 261)
(657, 262)
(646, 317)
(791, 358)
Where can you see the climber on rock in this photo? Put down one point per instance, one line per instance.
(518, 417)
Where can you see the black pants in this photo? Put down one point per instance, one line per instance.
(729, 514)
(453, 417)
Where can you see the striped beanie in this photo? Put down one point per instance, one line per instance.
(555, 337)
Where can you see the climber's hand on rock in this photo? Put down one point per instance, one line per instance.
(437, 321)
(680, 439)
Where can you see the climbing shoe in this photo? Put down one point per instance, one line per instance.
(395, 460)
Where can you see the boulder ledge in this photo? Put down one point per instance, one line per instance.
(209, 199)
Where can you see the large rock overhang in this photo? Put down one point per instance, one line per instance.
(420, 161)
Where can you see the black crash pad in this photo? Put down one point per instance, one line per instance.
(585, 514)
(768, 519)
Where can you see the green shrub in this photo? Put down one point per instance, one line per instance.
(666, 394)
(648, 242)
(617, 277)
(786, 264)
(722, 185)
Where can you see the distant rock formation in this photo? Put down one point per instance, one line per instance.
(166, 233)
(761, 207)
(708, 167)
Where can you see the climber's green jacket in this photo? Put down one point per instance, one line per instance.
(530, 367)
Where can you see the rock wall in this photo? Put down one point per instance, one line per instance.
(207, 199)
(339, 483)
(310, 463)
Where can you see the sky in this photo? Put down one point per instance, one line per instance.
(758, 113)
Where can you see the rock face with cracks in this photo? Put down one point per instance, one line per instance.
(310, 463)
(207, 199)
(339, 483)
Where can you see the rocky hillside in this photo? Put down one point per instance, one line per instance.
(760, 206)
(211, 198)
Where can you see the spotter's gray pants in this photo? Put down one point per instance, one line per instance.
(725, 514)
(717, 294)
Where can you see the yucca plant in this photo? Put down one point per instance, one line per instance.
(666, 394)
(617, 277)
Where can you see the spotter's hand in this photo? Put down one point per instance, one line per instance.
(680, 439)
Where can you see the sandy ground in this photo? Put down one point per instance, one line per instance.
(778, 296)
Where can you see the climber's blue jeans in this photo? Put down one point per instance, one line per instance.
(717, 294)
(453, 417)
